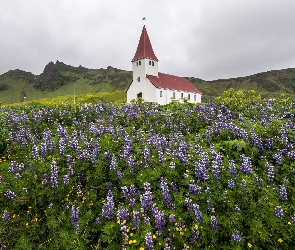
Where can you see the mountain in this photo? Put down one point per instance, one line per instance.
(60, 79)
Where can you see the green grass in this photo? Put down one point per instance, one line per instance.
(114, 97)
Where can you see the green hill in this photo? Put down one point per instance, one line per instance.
(59, 79)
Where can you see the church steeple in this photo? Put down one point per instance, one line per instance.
(144, 48)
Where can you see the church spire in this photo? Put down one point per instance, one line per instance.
(144, 48)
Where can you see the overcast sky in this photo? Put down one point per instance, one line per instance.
(208, 39)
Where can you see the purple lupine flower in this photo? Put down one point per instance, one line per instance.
(108, 208)
(123, 229)
(198, 213)
(159, 218)
(75, 216)
(174, 187)
(165, 192)
(136, 219)
(232, 169)
(66, 179)
(10, 194)
(236, 208)
(270, 174)
(54, 175)
(131, 163)
(283, 196)
(209, 204)
(70, 171)
(236, 237)
(146, 220)
(214, 223)
(189, 204)
(119, 175)
(246, 166)
(123, 213)
(13, 167)
(146, 154)
(244, 186)
(279, 212)
(171, 218)
(129, 194)
(113, 164)
(194, 189)
(149, 245)
(35, 153)
(96, 220)
(194, 236)
(146, 200)
(207, 191)
(293, 219)
(5, 216)
(231, 184)
(278, 158)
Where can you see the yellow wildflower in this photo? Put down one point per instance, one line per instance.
(134, 241)
(127, 230)
(118, 221)
(187, 247)
(141, 248)
(154, 236)
(289, 223)
(181, 233)
(142, 214)
(130, 242)
(177, 229)
(124, 221)
(196, 227)
(131, 234)
(280, 240)
(249, 245)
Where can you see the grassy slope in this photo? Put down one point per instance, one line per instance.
(269, 84)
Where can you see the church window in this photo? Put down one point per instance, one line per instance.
(181, 95)
(173, 95)
(189, 96)
(136, 63)
(138, 79)
(150, 62)
(161, 93)
(153, 64)
(139, 63)
(195, 97)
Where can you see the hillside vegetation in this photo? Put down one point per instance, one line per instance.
(59, 79)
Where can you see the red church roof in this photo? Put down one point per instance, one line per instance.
(166, 81)
(144, 48)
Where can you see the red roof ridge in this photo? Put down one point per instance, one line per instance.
(144, 48)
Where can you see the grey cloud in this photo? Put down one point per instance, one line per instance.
(209, 39)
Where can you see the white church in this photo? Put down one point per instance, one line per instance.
(154, 86)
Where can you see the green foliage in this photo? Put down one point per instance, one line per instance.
(238, 100)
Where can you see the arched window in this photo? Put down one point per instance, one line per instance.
(161, 93)
(189, 96)
(139, 95)
(195, 97)
(181, 95)
(139, 63)
(173, 95)
(138, 79)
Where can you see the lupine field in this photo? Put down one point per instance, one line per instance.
(145, 176)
